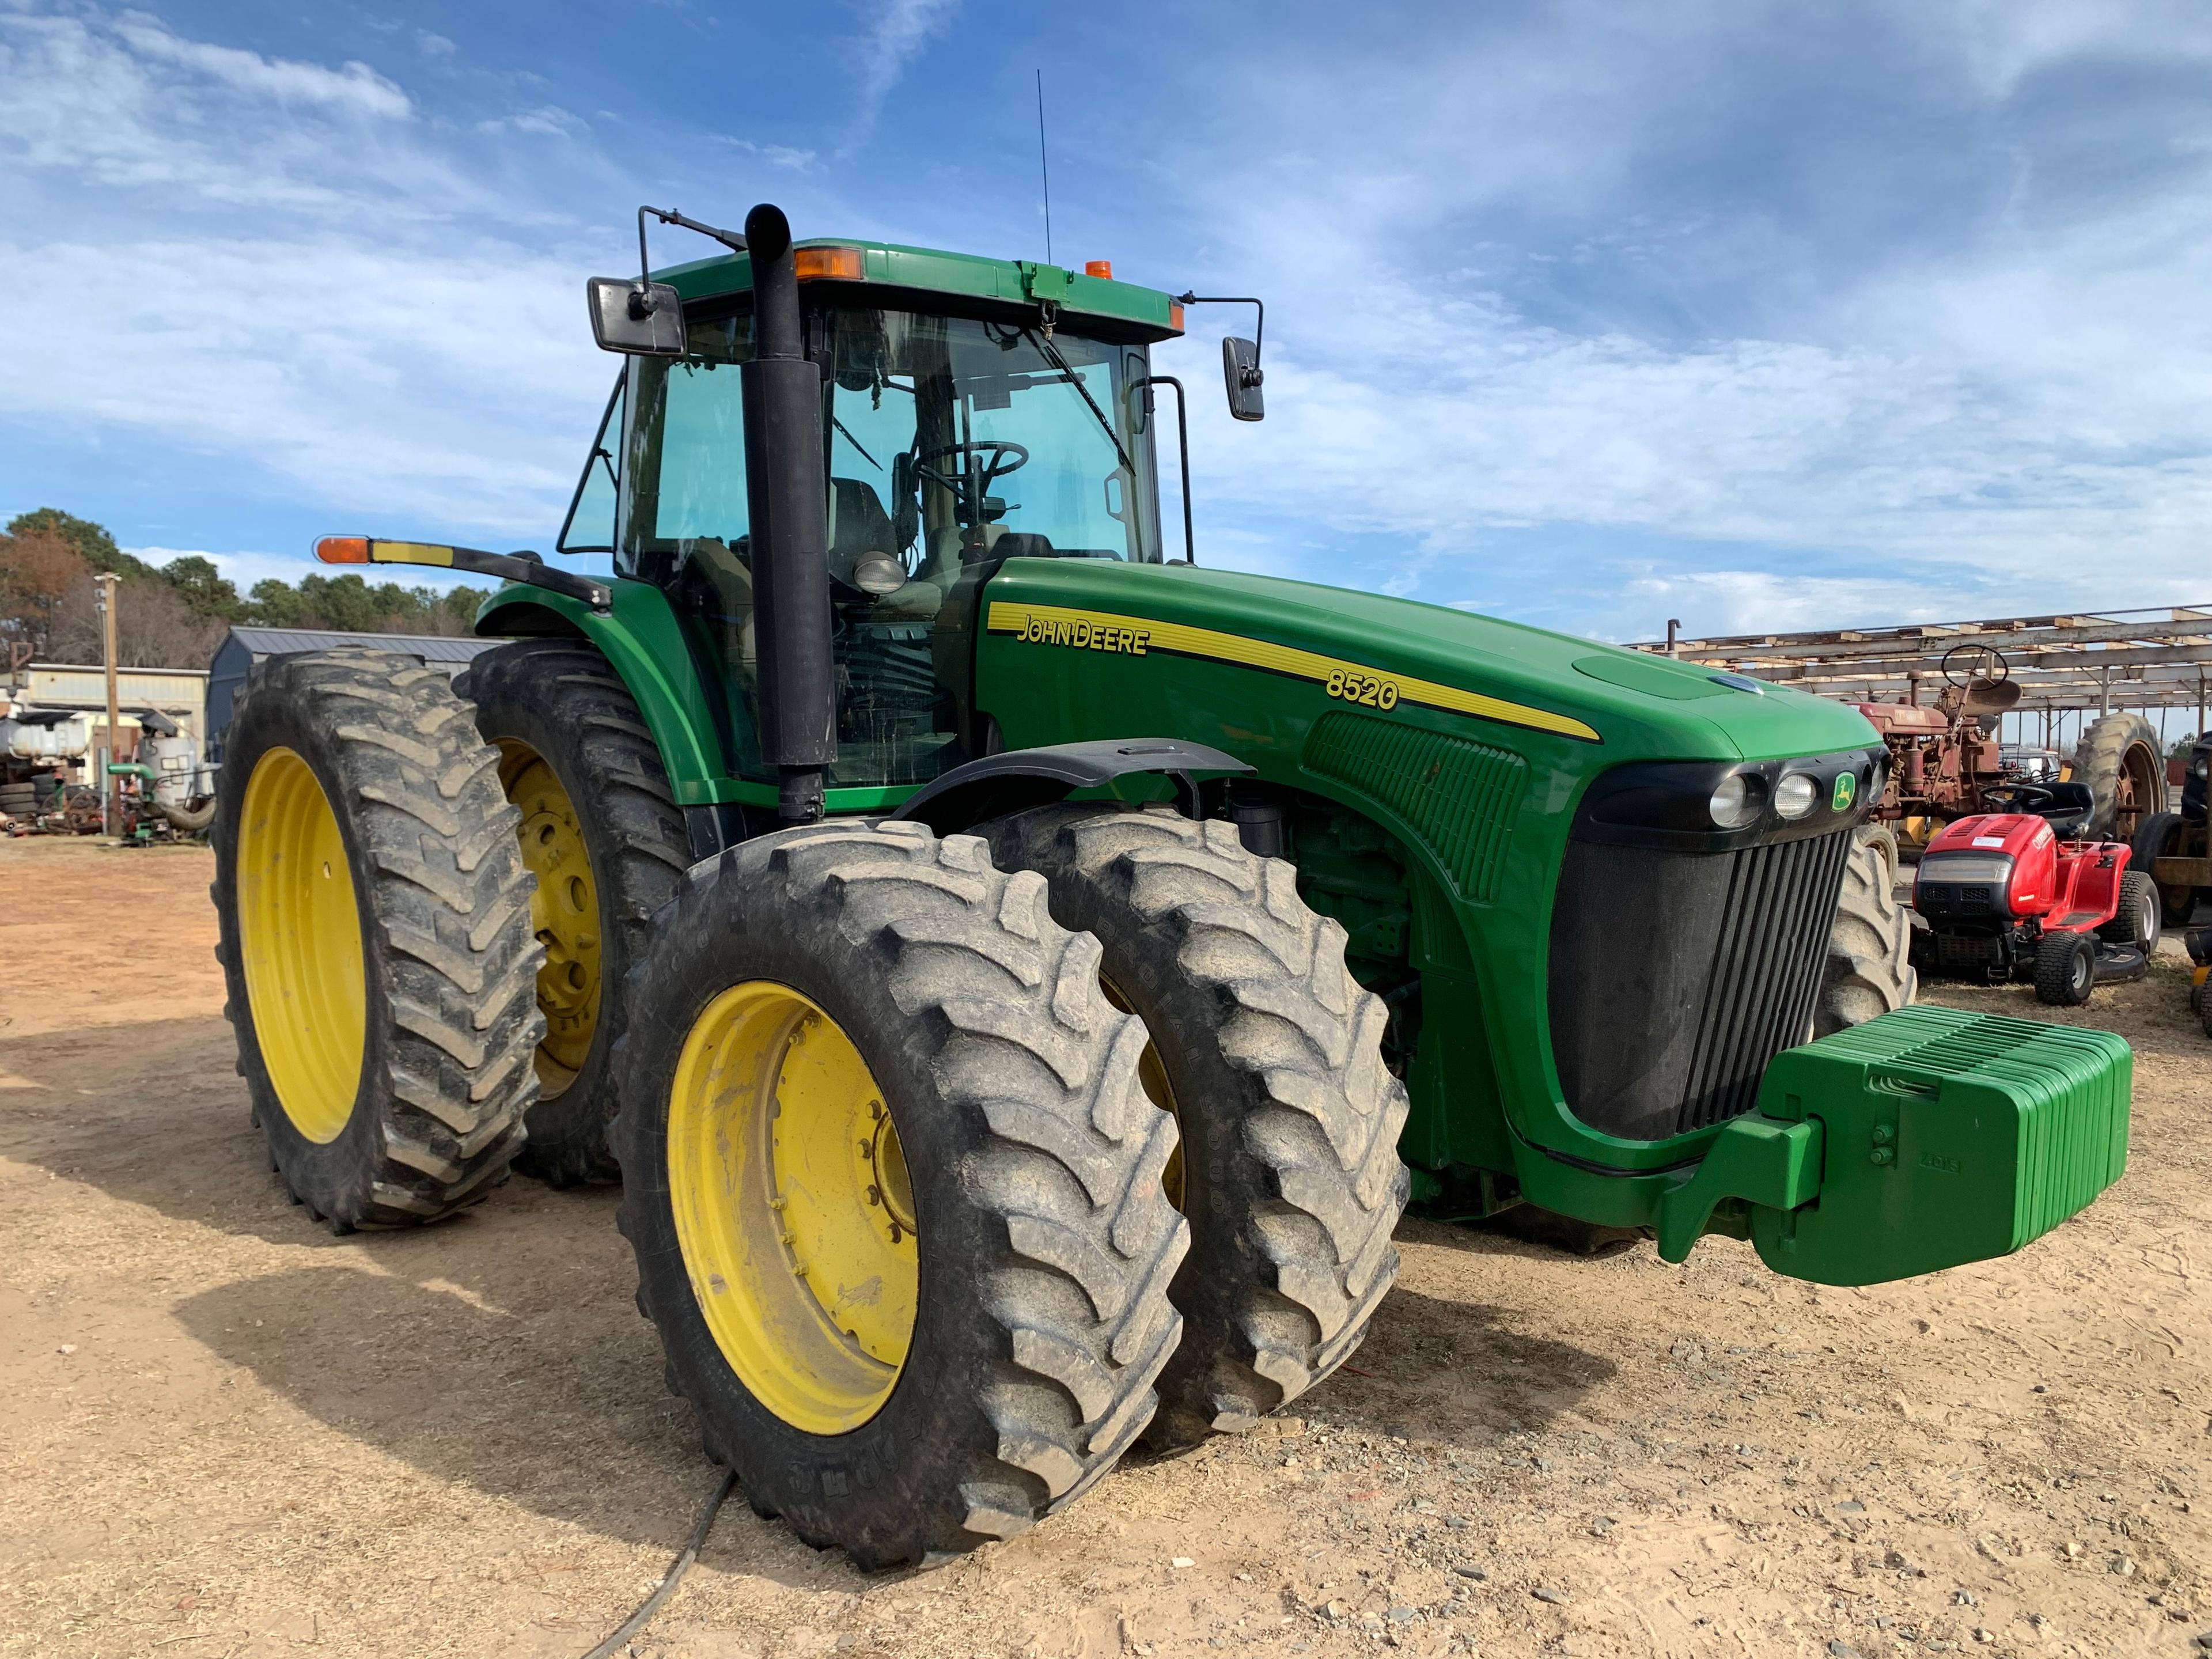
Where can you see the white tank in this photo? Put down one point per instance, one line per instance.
(175, 767)
(65, 740)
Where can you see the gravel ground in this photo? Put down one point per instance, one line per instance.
(225, 1433)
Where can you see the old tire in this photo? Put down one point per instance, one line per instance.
(1270, 1053)
(2121, 760)
(601, 831)
(2065, 969)
(375, 937)
(1869, 969)
(1040, 1245)
(2158, 835)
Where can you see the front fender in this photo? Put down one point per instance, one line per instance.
(640, 638)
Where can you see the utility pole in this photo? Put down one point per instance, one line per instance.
(111, 798)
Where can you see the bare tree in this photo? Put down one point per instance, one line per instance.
(37, 569)
(155, 628)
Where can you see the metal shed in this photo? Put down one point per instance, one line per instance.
(244, 646)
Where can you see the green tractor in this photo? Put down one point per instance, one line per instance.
(1020, 979)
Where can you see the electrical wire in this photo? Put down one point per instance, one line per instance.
(653, 1604)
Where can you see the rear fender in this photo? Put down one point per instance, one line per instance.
(640, 638)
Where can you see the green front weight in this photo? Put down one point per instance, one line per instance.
(1917, 1141)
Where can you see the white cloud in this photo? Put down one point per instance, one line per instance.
(548, 120)
(776, 155)
(363, 312)
(353, 86)
(896, 33)
(434, 46)
(2017, 398)
(370, 381)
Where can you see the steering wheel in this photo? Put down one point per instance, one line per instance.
(1976, 655)
(2024, 797)
(976, 476)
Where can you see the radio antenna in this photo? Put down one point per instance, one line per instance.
(1044, 168)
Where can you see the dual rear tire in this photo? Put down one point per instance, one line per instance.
(375, 939)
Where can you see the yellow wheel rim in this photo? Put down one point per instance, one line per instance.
(300, 934)
(1152, 1072)
(792, 1206)
(564, 913)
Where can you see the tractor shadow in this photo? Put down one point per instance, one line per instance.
(1457, 1374)
(503, 1354)
(499, 1350)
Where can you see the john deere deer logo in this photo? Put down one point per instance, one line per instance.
(1847, 785)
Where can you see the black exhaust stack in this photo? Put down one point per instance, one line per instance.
(789, 501)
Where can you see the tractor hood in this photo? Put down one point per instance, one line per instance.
(1629, 705)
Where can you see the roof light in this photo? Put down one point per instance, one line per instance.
(840, 264)
(343, 550)
(1174, 318)
(1099, 268)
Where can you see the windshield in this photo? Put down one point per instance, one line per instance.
(952, 443)
(953, 440)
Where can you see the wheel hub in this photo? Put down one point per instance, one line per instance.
(299, 932)
(794, 1206)
(564, 911)
(1152, 1072)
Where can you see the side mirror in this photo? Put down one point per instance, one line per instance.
(1240, 368)
(648, 324)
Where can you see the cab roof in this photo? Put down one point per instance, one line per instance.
(1147, 313)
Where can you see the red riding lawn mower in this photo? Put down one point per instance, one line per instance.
(2018, 890)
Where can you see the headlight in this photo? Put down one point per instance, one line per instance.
(1735, 804)
(1990, 869)
(1795, 795)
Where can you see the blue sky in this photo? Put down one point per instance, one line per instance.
(1590, 315)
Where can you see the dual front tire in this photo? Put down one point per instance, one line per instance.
(894, 1188)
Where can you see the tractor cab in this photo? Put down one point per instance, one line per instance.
(961, 424)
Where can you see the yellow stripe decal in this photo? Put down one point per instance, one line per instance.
(1355, 683)
(410, 553)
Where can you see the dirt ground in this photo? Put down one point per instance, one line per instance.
(225, 1433)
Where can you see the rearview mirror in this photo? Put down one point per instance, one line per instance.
(1240, 368)
(640, 323)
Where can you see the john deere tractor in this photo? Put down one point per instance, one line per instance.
(1019, 977)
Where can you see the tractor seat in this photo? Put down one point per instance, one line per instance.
(2070, 809)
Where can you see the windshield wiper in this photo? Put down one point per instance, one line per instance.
(1044, 344)
(855, 442)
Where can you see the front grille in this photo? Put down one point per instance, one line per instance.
(1676, 976)
(1944, 898)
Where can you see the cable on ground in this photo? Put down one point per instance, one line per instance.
(653, 1604)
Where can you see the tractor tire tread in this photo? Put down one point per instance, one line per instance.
(565, 694)
(1037, 1074)
(1299, 1252)
(2054, 971)
(2136, 888)
(1869, 969)
(449, 1106)
(2097, 758)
